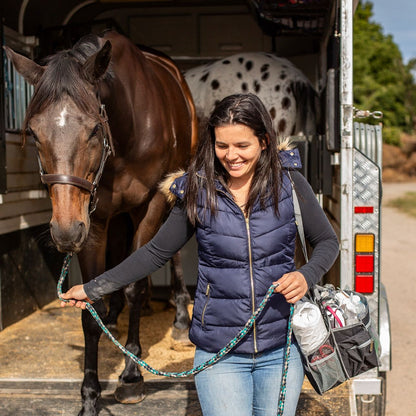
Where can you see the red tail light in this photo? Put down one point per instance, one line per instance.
(364, 283)
(364, 263)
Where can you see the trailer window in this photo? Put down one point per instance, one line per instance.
(17, 94)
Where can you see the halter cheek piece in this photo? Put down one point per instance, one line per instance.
(50, 179)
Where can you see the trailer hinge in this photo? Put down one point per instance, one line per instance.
(345, 189)
(335, 159)
(367, 113)
(345, 245)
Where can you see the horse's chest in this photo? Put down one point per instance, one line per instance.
(122, 192)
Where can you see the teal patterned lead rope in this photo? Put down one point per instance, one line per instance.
(207, 363)
(282, 396)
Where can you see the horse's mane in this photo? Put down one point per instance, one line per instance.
(64, 75)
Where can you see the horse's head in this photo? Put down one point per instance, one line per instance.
(71, 132)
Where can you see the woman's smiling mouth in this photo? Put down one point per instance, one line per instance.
(235, 165)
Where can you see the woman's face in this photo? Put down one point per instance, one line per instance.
(238, 150)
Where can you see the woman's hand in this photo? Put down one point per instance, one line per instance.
(292, 286)
(76, 296)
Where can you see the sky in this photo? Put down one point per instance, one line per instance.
(397, 17)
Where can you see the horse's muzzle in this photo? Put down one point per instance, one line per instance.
(68, 239)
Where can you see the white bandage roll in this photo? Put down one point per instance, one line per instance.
(308, 326)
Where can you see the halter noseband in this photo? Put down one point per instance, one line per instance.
(50, 179)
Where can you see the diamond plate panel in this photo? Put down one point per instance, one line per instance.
(366, 192)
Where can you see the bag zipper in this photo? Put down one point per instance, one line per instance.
(364, 344)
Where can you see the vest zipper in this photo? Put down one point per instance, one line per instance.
(253, 298)
(205, 306)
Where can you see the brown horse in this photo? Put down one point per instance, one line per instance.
(150, 131)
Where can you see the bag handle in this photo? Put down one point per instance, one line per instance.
(298, 220)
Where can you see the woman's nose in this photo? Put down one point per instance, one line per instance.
(231, 154)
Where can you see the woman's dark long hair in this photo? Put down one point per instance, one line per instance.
(205, 168)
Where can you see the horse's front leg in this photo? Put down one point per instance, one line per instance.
(91, 389)
(181, 300)
(130, 388)
(92, 263)
(146, 220)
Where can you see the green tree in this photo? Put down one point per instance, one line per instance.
(381, 80)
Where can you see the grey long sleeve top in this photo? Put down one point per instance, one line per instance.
(177, 230)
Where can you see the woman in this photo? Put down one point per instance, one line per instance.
(237, 199)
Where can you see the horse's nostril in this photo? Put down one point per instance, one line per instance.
(68, 238)
(80, 229)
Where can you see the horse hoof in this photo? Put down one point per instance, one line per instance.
(129, 393)
(181, 335)
(93, 413)
(88, 411)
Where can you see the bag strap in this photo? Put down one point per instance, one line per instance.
(312, 293)
(298, 219)
(282, 393)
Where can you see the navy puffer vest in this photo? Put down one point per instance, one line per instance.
(238, 259)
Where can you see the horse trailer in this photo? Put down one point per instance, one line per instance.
(341, 155)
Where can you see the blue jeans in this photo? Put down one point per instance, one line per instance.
(248, 384)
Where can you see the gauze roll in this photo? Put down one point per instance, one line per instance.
(308, 326)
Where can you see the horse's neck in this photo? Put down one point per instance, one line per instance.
(116, 98)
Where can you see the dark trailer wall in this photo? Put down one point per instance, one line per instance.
(201, 29)
(29, 265)
(191, 32)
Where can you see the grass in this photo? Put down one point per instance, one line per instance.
(406, 204)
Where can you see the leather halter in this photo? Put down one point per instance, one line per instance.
(50, 179)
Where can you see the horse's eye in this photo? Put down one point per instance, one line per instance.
(30, 132)
(94, 131)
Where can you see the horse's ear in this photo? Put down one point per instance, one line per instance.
(96, 65)
(29, 69)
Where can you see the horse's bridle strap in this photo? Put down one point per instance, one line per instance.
(61, 179)
(51, 179)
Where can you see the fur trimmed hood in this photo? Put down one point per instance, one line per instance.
(284, 145)
(164, 186)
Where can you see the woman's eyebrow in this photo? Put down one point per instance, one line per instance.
(242, 141)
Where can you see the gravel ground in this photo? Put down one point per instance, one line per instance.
(398, 265)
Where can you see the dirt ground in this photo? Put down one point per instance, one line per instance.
(398, 267)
